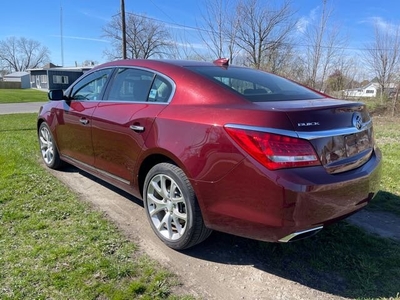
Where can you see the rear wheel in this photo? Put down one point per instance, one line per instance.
(172, 209)
(48, 147)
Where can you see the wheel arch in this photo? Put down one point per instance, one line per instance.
(38, 123)
(149, 162)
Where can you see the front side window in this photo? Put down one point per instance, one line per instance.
(91, 86)
(255, 85)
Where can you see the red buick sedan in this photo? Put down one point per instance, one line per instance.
(209, 146)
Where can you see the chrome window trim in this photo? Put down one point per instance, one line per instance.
(132, 102)
(308, 135)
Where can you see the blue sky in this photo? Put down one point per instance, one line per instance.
(83, 21)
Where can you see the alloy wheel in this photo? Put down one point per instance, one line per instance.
(166, 206)
(46, 145)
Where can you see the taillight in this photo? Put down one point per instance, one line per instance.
(275, 151)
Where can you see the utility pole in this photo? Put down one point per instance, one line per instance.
(123, 24)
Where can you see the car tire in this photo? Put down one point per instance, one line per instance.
(172, 209)
(48, 148)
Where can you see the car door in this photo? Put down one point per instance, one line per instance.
(74, 136)
(124, 119)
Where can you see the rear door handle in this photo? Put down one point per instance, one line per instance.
(137, 128)
(84, 121)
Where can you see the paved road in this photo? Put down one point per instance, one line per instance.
(15, 108)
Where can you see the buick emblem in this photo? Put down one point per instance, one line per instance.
(357, 121)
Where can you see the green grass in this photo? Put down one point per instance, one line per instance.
(52, 245)
(387, 136)
(22, 95)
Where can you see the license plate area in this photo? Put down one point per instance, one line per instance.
(356, 143)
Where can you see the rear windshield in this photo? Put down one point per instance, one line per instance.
(255, 85)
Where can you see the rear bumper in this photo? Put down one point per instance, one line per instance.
(272, 205)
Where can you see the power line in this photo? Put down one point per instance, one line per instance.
(165, 14)
(171, 23)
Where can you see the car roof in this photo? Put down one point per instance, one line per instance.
(186, 63)
(158, 62)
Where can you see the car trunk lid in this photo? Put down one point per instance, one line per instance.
(340, 131)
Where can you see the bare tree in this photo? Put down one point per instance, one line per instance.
(89, 62)
(220, 29)
(20, 54)
(280, 60)
(145, 37)
(325, 44)
(262, 30)
(382, 54)
(183, 48)
(349, 67)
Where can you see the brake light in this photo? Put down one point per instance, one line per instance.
(275, 151)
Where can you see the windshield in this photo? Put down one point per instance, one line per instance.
(255, 85)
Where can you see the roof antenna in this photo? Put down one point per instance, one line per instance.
(223, 62)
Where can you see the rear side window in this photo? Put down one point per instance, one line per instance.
(255, 85)
(160, 90)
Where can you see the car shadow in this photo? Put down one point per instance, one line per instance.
(341, 260)
(388, 200)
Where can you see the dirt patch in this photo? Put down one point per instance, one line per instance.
(224, 267)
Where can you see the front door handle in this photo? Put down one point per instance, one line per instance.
(137, 128)
(84, 121)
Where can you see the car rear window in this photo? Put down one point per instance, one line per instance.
(255, 85)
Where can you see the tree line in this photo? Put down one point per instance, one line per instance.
(266, 35)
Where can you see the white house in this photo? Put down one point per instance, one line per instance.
(21, 77)
(369, 90)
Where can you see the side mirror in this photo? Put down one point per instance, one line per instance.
(56, 94)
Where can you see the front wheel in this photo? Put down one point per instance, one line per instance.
(172, 209)
(48, 147)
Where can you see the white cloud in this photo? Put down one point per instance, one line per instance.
(382, 24)
(82, 38)
(191, 45)
(303, 23)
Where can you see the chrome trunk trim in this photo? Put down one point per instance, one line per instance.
(308, 135)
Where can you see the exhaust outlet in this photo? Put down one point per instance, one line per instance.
(300, 235)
